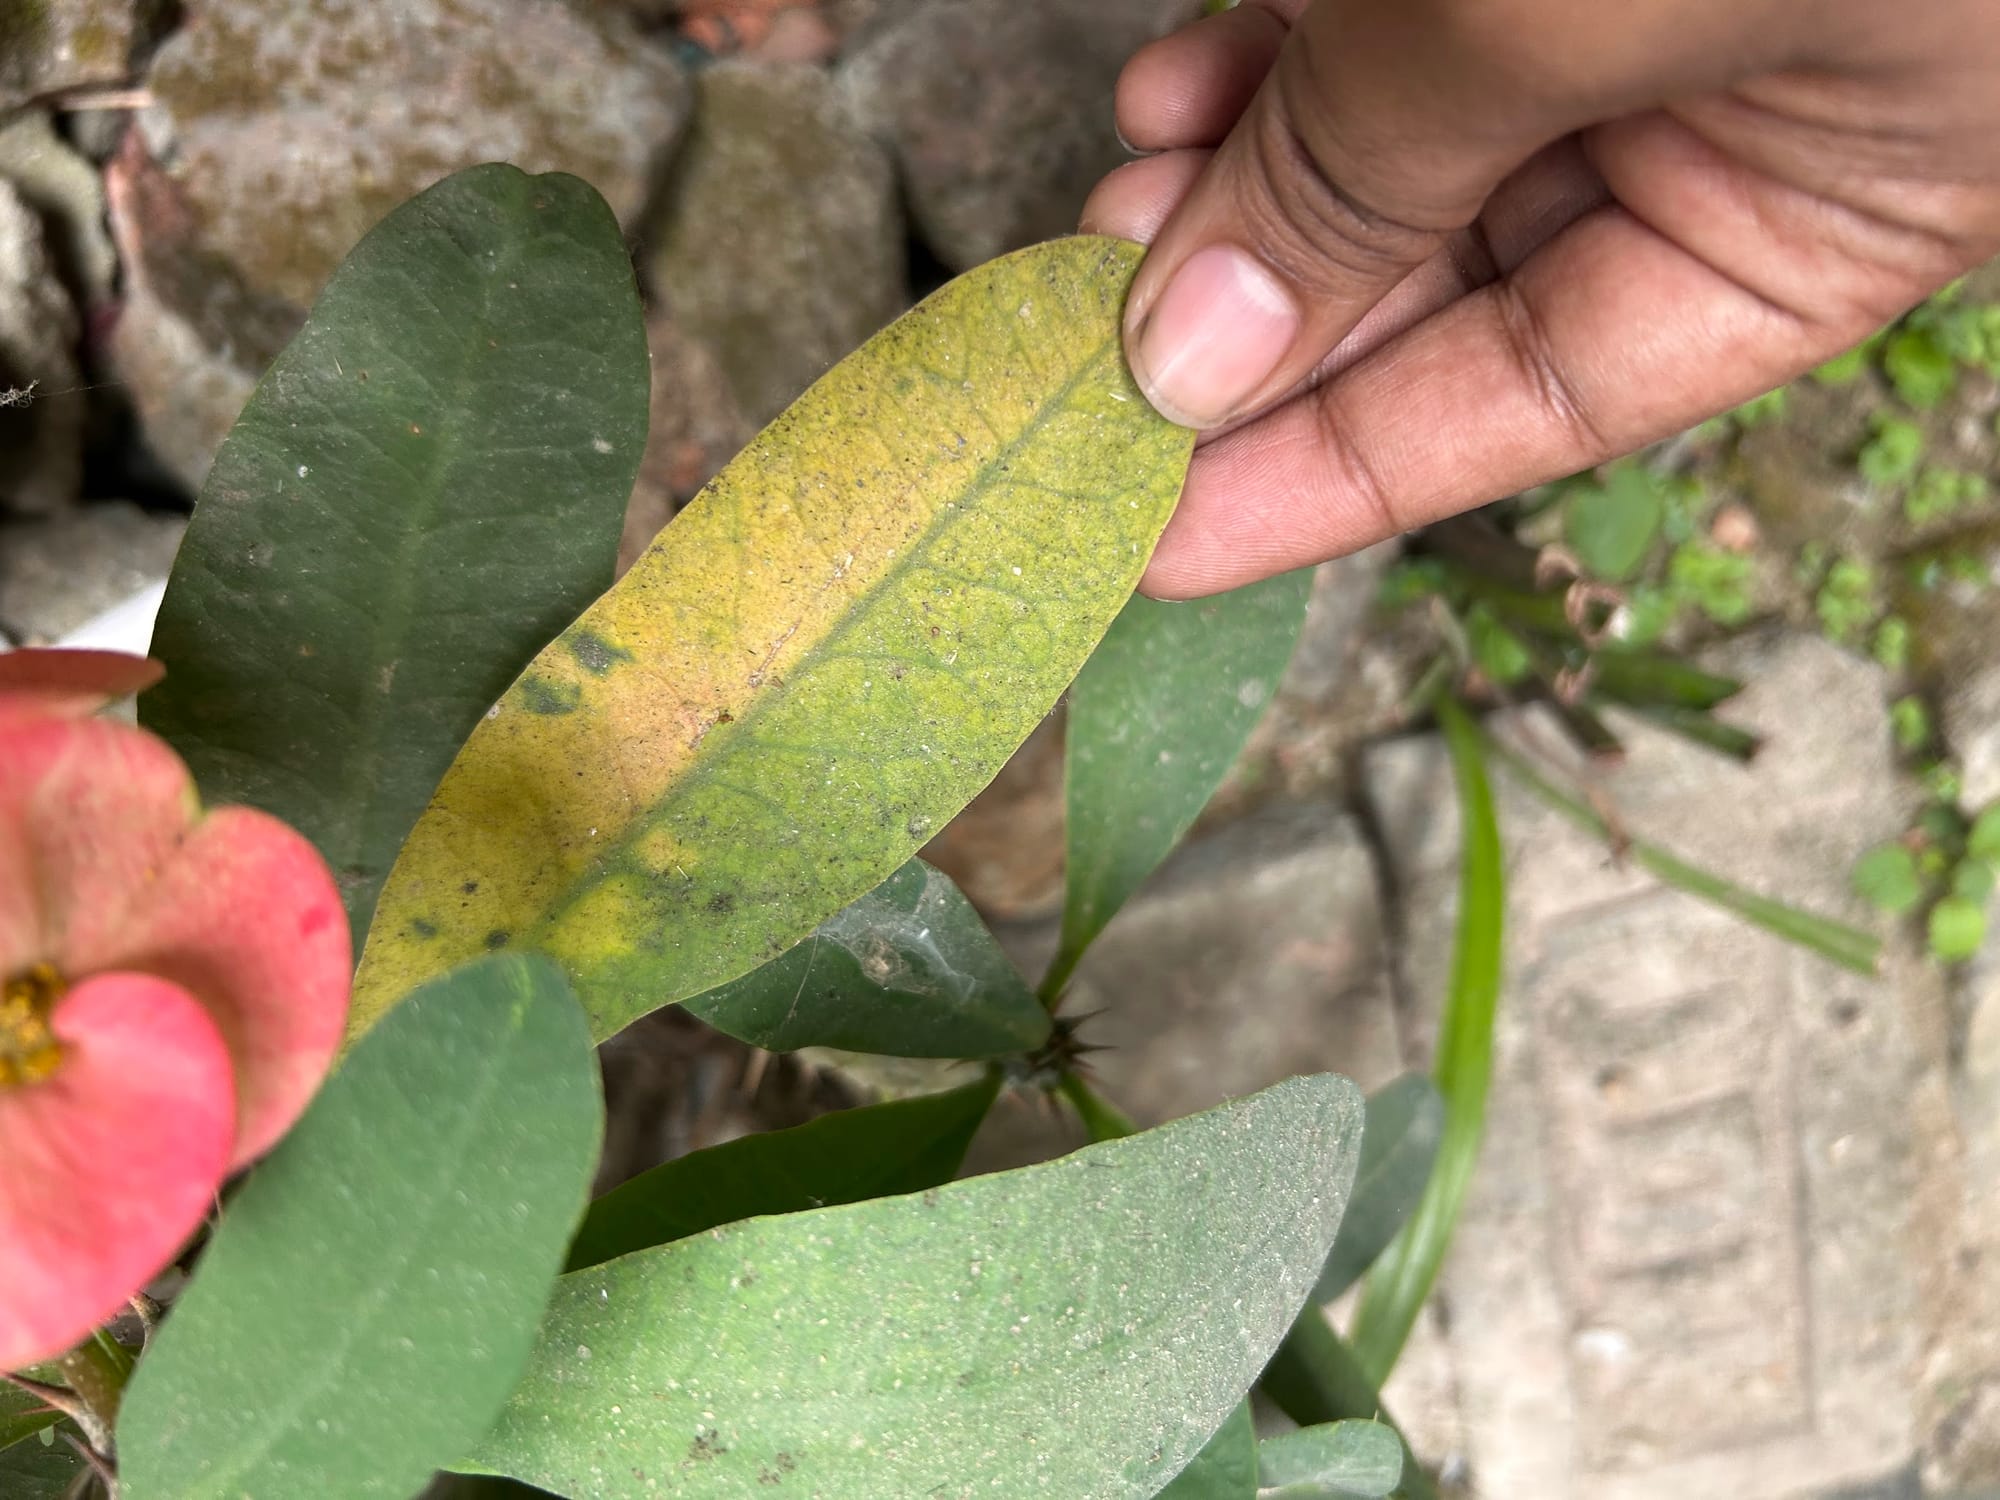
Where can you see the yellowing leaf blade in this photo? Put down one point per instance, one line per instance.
(822, 659)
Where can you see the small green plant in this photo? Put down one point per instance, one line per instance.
(1893, 451)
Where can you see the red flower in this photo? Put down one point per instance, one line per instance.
(173, 987)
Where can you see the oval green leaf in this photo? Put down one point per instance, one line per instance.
(1226, 1469)
(1156, 719)
(846, 1157)
(425, 488)
(1404, 1124)
(372, 1293)
(823, 657)
(1076, 1328)
(22, 1415)
(1337, 1461)
(909, 970)
(35, 1470)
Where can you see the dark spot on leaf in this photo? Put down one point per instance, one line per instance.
(541, 695)
(471, 888)
(724, 716)
(496, 939)
(722, 903)
(420, 928)
(785, 1462)
(706, 1445)
(596, 655)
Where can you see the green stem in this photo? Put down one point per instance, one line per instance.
(1850, 947)
(1314, 1377)
(95, 1372)
(1402, 1279)
(1101, 1118)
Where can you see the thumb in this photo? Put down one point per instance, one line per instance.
(1350, 167)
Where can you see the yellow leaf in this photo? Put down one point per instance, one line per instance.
(822, 659)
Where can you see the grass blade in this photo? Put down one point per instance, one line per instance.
(1396, 1288)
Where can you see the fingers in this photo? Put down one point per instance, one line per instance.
(1135, 200)
(1189, 88)
(1350, 166)
(1607, 338)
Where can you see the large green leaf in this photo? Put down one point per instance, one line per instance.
(1156, 719)
(1352, 1460)
(373, 1291)
(37, 1471)
(853, 1154)
(425, 488)
(1394, 1293)
(823, 657)
(23, 1415)
(1078, 1328)
(908, 970)
(1404, 1122)
(1226, 1469)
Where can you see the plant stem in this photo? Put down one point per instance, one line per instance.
(1314, 1377)
(1850, 947)
(1101, 1118)
(95, 1372)
(1399, 1283)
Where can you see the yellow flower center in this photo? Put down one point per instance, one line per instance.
(29, 1051)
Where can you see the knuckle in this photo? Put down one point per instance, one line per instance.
(1533, 354)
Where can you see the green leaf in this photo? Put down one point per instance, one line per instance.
(1886, 878)
(1845, 369)
(1404, 1124)
(23, 1415)
(1641, 678)
(1957, 929)
(1352, 1460)
(1315, 1378)
(1921, 369)
(1076, 1328)
(1397, 1286)
(1156, 719)
(816, 664)
(1983, 841)
(40, 1471)
(1973, 881)
(1498, 653)
(1703, 728)
(845, 1157)
(1910, 723)
(909, 970)
(1611, 526)
(1892, 453)
(1226, 1469)
(372, 1292)
(425, 488)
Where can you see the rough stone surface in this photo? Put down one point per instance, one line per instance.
(190, 339)
(1005, 849)
(780, 242)
(293, 128)
(41, 408)
(694, 428)
(1718, 1239)
(66, 191)
(1254, 954)
(999, 111)
(59, 572)
(48, 46)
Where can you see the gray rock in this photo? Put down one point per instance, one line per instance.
(1718, 1240)
(65, 189)
(1254, 954)
(59, 572)
(47, 46)
(293, 128)
(999, 111)
(41, 404)
(190, 339)
(694, 428)
(780, 244)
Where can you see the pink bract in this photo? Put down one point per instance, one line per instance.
(207, 966)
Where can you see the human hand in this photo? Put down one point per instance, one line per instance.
(1409, 256)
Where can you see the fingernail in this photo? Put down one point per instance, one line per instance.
(1215, 336)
